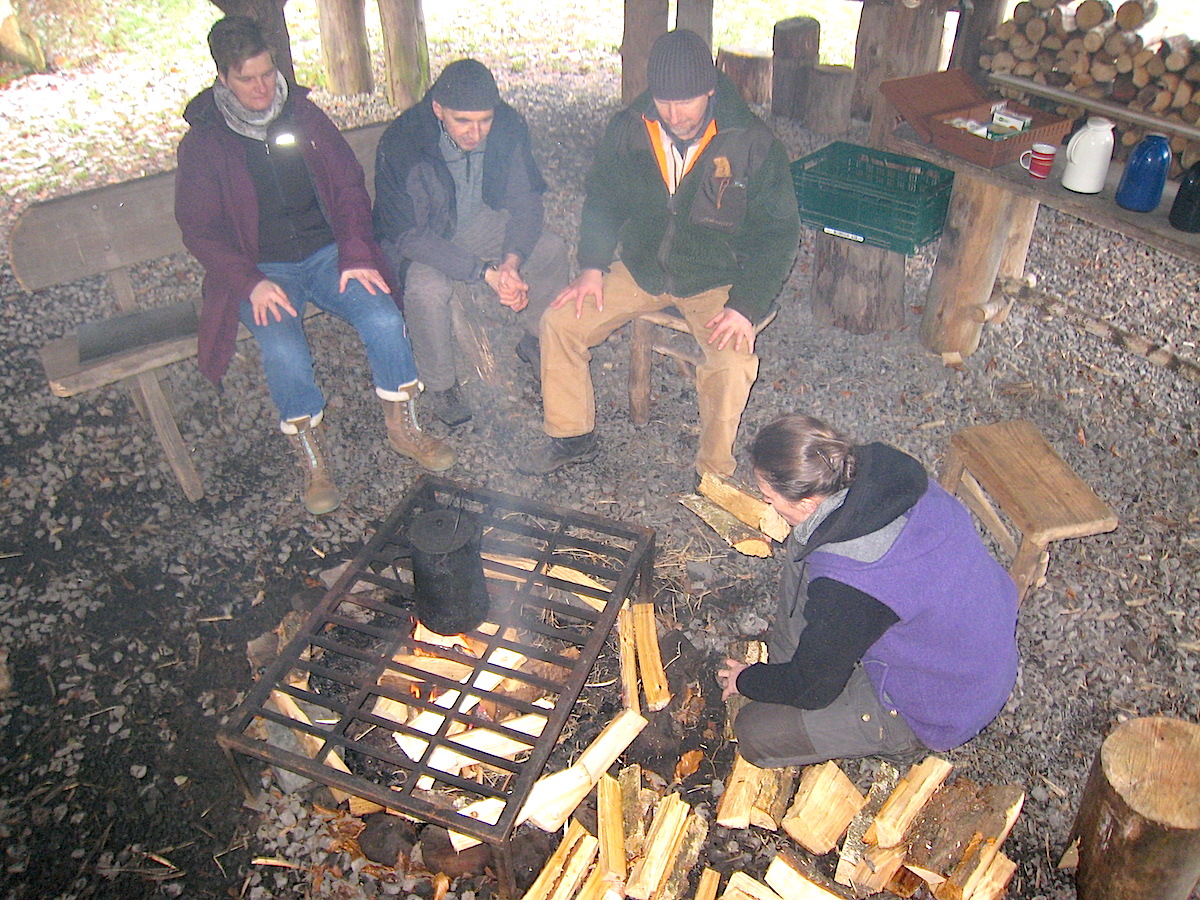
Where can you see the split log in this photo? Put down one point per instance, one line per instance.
(901, 808)
(286, 704)
(741, 790)
(627, 652)
(877, 867)
(710, 882)
(485, 739)
(636, 804)
(828, 99)
(662, 844)
(774, 798)
(789, 878)
(853, 846)
(610, 829)
(737, 534)
(744, 505)
(794, 51)
(557, 570)
(750, 71)
(566, 868)
(825, 804)
(1139, 817)
(959, 832)
(695, 833)
(563, 791)
(856, 286)
(742, 887)
(649, 657)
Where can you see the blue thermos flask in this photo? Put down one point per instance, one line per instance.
(1141, 186)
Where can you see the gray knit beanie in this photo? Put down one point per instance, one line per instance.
(680, 66)
(466, 85)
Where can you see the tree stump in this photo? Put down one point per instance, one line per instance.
(827, 101)
(1139, 818)
(856, 286)
(795, 49)
(750, 71)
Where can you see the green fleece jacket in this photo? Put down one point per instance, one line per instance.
(732, 221)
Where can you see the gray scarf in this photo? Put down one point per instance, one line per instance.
(249, 123)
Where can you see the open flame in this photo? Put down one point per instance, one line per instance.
(449, 641)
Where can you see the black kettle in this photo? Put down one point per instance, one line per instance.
(1185, 211)
(449, 587)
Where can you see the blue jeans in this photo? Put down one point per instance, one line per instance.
(286, 359)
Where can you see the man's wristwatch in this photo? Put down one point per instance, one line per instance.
(488, 266)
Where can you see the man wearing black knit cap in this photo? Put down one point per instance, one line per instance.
(697, 194)
(458, 200)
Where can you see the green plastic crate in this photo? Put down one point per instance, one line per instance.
(883, 199)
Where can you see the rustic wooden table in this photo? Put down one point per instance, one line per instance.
(989, 225)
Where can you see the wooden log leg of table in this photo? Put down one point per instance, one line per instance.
(827, 100)
(968, 260)
(857, 287)
(1138, 825)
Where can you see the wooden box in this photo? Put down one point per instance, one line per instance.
(930, 102)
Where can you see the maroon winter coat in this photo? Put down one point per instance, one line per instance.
(217, 210)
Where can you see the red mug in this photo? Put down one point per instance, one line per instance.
(1039, 160)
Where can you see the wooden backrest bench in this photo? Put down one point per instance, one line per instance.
(107, 231)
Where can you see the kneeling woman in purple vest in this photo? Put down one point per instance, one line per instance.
(895, 628)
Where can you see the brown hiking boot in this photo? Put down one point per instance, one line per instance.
(320, 493)
(407, 438)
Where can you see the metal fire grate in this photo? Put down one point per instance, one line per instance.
(450, 735)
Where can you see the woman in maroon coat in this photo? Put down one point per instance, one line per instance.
(271, 200)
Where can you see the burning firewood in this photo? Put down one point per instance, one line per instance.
(286, 704)
(824, 805)
(649, 658)
(736, 533)
(566, 869)
(745, 506)
(557, 571)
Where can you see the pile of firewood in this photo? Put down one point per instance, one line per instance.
(906, 834)
(1098, 53)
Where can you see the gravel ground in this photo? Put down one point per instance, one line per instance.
(125, 610)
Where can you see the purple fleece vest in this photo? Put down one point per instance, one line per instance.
(949, 664)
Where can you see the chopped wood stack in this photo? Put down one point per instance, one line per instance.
(909, 833)
(646, 847)
(1097, 52)
(742, 519)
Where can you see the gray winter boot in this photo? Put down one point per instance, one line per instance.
(320, 493)
(407, 438)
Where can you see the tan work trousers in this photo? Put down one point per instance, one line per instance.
(723, 380)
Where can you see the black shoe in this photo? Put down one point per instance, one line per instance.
(530, 351)
(559, 452)
(449, 406)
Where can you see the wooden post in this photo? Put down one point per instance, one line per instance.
(750, 71)
(1020, 232)
(405, 50)
(697, 16)
(827, 102)
(1139, 817)
(974, 24)
(857, 287)
(894, 41)
(645, 20)
(794, 51)
(967, 262)
(344, 48)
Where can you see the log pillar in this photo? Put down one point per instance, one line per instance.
(1139, 817)
(794, 51)
(967, 263)
(856, 286)
(827, 101)
(750, 71)
(894, 41)
(645, 20)
(1020, 231)
(974, 24)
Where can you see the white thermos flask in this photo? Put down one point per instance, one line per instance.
(1088, 155)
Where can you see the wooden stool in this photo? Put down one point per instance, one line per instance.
(1039, 493)
(644, 340)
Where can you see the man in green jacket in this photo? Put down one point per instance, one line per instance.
(696, 192)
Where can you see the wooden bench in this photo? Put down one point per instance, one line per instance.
(1012, 464)
(107, 231)
(646, 337)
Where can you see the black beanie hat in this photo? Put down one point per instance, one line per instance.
(680, 66)
(466, 85)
